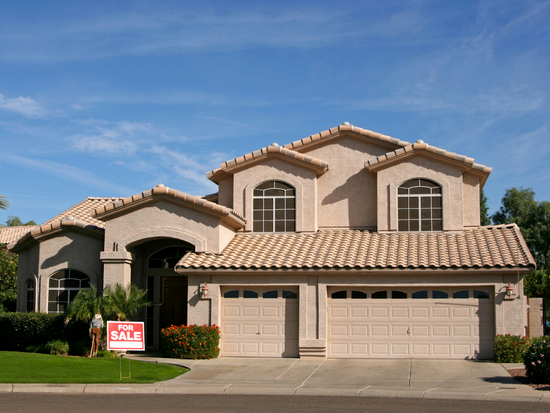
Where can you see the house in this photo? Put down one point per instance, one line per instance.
(347, 243)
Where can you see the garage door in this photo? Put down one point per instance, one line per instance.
(259, 322)
(403, 323)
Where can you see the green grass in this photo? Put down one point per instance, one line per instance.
(42, 368)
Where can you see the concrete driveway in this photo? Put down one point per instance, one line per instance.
(460, 379)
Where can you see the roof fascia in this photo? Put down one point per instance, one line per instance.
(130, 204)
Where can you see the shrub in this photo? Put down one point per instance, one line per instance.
(190, 342)
(510, 349)
(57, 347)
(537, 359)
(80, 348)
(105, 353)
(21, 330)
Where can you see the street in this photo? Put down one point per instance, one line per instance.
(121, 403)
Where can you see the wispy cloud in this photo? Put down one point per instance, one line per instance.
(25, 106)
(66, 172)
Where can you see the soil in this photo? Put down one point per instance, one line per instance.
(520, 376)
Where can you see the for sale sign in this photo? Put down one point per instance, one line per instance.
(125, 335)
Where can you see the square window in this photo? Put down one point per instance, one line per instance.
(279, 203)
(279, 214)
(413, 202)
(402, 202)
(403, 226)
(268, 203)
(258, 215)
(290, 214)
(426, 213)
(290, 226)
(413, 213)
(290, 203)
(279, 226)
(268, 226)
(402, 214)
(268, 215)
(425, 202)
(426, 225)
(258, 226)
(413, 226)
(258, 204)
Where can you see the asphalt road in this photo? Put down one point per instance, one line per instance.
(50, 403)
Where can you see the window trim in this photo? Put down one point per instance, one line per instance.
(67, 303)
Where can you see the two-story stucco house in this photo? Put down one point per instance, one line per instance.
(347, 243)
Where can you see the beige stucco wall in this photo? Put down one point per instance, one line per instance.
(63, 250)
(346, 196)
(161, 219)
(27, 268)
(225, 192)
(303, 180)
(471, 195)
(448, 177)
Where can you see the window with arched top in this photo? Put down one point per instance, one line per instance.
(274, 207)
(168, 257)
(419, 206)
(63, 287)
(30, 296)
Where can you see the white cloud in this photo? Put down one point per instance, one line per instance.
(25, 106)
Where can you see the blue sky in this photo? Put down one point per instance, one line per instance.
(109, 98)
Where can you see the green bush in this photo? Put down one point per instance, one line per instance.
(537, 359)
(105, 354)
(510, 349)
(21, 330)
(190, 342)
(80, 348)
(57, 347)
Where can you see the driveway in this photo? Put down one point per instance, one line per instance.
(388, 378)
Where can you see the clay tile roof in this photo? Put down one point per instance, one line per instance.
(484, 247)
(321, 165)
(417, 147)
(12, 234)
(159, 190)
(81, 211)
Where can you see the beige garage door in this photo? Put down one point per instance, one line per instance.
(413, 322)
(259, 322)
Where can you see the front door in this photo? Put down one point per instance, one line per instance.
(174, 301)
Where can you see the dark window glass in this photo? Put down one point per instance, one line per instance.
(250, 294)
(481, 294)
(358, 294)
(380, 294)
(168, 257)
(339, 294)
(398, 294)
(231, 294)
(461, 294)
(420, 294)
(289, 294)
(440, 294)
(270, 294)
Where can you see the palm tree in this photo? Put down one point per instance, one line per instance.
(125, 301)
(87, 303)
(4, 203)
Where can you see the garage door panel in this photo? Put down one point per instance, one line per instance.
(258, 327)
(411, 327)
(339, 312)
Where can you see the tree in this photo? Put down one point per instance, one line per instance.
(16, 222)
(4, 203)
(125, 301)
(87, 303)
(484, 210)
(8, 280)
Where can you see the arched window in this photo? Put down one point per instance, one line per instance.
(419, 206)
(30, 296)
(63, 288)
(274, 207)
(167, 257)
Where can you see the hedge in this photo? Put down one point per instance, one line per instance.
(191, 342)
(22, 330)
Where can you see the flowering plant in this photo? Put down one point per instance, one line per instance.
(537, 359)
(191, 342)
(509, 349)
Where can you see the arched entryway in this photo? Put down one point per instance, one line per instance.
(153, 269)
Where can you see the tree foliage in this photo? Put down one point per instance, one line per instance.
(533, 218)
(4, 203)
(16, 222)
(484, 210)
(8, 280)
(112, 303)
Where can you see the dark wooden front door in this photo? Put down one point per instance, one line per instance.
(174, 301)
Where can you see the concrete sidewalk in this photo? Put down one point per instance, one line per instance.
(405, 378)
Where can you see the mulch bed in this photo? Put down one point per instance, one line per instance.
(520, 376)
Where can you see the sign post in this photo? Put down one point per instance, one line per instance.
(125, 335)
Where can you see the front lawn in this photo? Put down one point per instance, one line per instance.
(42, 368)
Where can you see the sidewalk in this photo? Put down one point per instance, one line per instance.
(403, 378)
